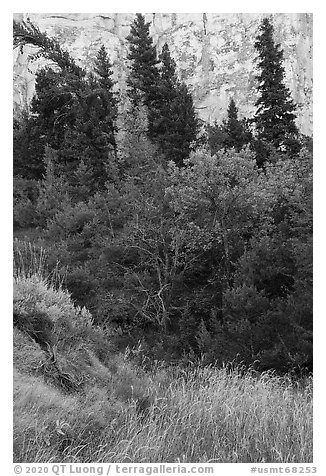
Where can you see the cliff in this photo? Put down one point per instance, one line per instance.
(214, 53)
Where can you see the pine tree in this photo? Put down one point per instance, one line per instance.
(237, 133)
(91, 138)
(137, 155)
(28, 149)
(185, 125)
(172, 122)
(53, 107)
(168, 76)
(144, 75)
(109, 104)
(162, 117)
(175, 125)
(96, 126)
(25, 33)
(232, 133)
(73, 113)
(216, 137)
(275, 116)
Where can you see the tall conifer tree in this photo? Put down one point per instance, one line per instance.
(237, 132)
(275, 116)
(144, 75)
(176, 124)
(232, 133)
(92, 140)
(73, 113)
(185, 125)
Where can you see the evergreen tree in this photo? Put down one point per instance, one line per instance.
(185, 125)
(237, 132)
(168, 76)
(172, 122)
(92, 139)
(216, 137)
(28, 149)
(53, 108)
(25, 33)
(275, 116)
(72, 113)
(232, 133)
(144, 75)
(176, 125)
(109, 107)
(167, 90)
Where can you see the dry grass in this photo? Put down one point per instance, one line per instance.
(30, 260)
(205, 416)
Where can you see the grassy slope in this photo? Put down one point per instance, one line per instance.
(197, 415)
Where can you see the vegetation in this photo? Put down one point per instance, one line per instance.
(153, 83)
(175, 126)
(232, 133)
(85, 402)
(143, 79)
(275, 116)
(162, 283)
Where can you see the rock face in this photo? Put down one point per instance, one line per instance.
(214, 52)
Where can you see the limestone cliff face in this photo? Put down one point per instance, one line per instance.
(214, 53)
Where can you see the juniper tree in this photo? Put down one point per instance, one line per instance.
(275, 115)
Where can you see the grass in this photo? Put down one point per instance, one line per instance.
(30, 260)
(199, 414)
(207, 415)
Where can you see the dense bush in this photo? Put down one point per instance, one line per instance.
(215, 259)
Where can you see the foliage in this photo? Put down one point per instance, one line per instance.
(137, 155)
(53, 421)
(216, 137)
(174, 122)
(194, 254)
(194, 414)
(27, 149)
(232, 133)
(26, 33)
(237, 131)
(53, 190)
(275, 115)
(71, 113)
(144, 76)
(218, 252)
(25, 192)
(231, 210)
